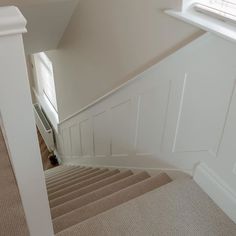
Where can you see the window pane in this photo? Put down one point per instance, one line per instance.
(46, 78)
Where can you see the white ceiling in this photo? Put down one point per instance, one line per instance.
(47, 21)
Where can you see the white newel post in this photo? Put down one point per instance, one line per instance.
(19, 125)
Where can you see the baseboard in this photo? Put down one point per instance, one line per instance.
(217, 189)
(153, 167)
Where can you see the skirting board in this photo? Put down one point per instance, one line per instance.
(217, 190)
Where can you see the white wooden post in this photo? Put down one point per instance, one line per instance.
(19, 125)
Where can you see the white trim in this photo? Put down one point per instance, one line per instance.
(217, 189)
(100, 99)
(139, 163)
(11, 21)
(124, 85)
(215, 12)
(207, 23)
(20, 134)
(172, 172)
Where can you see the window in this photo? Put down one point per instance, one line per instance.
(221, 9)
(45, 78)
(216, 16)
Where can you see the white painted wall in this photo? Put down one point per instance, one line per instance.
(107, 42)
(47, 21)
(18, 123)
(180, 112)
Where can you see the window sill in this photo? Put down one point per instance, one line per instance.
(207, 23)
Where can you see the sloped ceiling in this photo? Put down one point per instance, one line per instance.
(46, 21)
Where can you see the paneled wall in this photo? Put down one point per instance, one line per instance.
(174, 115)
(107, 42)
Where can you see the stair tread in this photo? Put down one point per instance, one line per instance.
(55, 172)
(64, 172)
(178, 208)
(75, 187)
(58, 168)
(67, 177)
(74, 217)
(110, 177)
(87, 175)
(63, 187)
(98, 194)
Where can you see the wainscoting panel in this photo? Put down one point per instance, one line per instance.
(66, 142)
(85, 134)
(204, 108)
(178, 113)
(121, 133)
(101, 135)
(152, 112)
(75, 140)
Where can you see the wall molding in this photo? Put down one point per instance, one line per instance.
(129, 82)
(217, 189)
(173, 116)
(12, 21)
(137, 163)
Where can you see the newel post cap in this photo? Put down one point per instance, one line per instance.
(11, 21)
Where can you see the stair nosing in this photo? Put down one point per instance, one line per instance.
(97, 172)
(137, 175)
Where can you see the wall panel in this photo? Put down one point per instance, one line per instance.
(174, 115)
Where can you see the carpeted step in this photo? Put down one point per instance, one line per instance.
(79, 174)
(179, 208)
(75, 187)
(58, 169)
(108, 202)
(67, 177)
(58, 172)
(98, 194)
(109, 178)
(64, 173)
(87, 175)
(55, 170)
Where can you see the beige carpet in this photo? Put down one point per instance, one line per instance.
(179, 208)
(12, 217)
(82, 193)
(108, 178)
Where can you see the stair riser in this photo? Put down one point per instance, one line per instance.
(74, 187)
(83, 178)
(99, 184)
(106, 203)
(54, 187)
(54, 174)
(68, 177)
(59, 169)
(68, 172)
(98, 194)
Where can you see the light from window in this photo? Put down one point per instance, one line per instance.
(221, 9)
(45, 78)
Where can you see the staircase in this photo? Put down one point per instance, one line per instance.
(79, 193)
(100, 201)
(44, 152)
